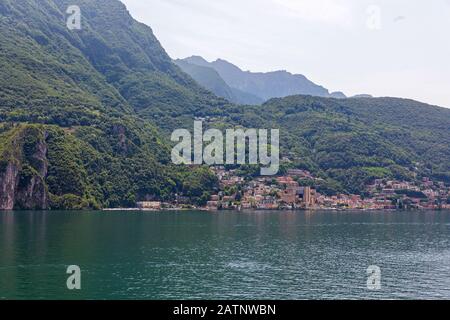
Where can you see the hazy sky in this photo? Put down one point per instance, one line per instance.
(395, 48)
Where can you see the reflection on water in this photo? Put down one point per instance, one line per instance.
(228, 255)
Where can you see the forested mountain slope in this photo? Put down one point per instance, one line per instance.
(78, 86)
(86, 117)
(353, 141)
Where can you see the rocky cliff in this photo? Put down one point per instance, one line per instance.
(23, 169)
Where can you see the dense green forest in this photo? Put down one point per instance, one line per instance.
(86, 117)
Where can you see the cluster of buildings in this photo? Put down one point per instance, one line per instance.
(264, 193)
(426, 194)
(285, 192)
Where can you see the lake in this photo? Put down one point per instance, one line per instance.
(226, 255)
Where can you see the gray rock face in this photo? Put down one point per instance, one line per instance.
(22, 181)
(33, 196)
(8, 186)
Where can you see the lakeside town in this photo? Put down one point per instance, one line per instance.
(286, 192)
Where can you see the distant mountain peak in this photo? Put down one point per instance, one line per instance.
(219, 60)
(197, 60)
(226, 65)
(263, 85)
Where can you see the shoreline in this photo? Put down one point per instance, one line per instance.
(265, 210)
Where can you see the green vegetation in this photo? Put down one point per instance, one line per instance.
(412, 194)
(84, 88)
(104, 99)
(350, 142)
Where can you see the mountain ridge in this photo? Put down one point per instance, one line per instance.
(264, 85)
(210, 79)
(80, 90)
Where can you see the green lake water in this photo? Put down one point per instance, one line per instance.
(226, 255)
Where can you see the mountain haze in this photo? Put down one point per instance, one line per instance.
(264, 86)
(210, 79)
